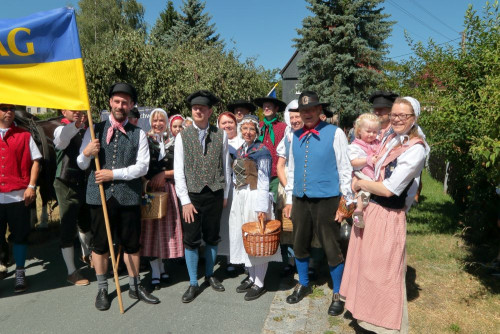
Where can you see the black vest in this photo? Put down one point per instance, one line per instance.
(67, 168)
(393, 202)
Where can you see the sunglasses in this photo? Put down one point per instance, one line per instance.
(7, 108)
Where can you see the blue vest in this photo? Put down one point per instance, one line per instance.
(315, 173)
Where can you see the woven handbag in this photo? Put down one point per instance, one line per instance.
(261, 238)
(154, 204)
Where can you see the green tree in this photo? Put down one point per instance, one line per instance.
(343, 44)
(459, 91)
(99, 20)
(163, 24)
(193, 24)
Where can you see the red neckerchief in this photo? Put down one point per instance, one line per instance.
(310, 130)
(114, 125)
(65, 121)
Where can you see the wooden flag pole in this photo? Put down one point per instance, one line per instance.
(106, 219)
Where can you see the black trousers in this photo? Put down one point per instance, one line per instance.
(125, 225)
(316, 216)
(206, 225)
(72, 209)
(17, 215)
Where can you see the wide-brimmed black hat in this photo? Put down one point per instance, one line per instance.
(308, 99)
(123, 87)
(261, 100)
(382, 99)
(202, 97)
(241, 104)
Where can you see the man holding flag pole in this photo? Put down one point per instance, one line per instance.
(40, 55)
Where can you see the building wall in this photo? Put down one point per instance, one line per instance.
(291, 88)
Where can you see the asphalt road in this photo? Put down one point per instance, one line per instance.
(50, 305)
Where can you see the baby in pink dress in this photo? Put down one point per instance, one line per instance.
(362, 154)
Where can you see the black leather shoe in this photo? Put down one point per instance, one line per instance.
(255, 292)
(215, 283)
(337, 306)
(101, 301)
(142, 294)
(190, 293)
(298, 294)
(245, 285)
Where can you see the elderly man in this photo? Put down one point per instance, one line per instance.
(19, 168)
(319, 172)
(202, 176)
(123, 154)
(381, 105)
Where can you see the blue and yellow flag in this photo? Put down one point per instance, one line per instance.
(41, 61)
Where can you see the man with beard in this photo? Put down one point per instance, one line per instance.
(123, 153)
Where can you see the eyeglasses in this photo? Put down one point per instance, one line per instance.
(5, 109)
(402, 117)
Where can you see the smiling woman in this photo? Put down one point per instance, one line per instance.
(379, 252)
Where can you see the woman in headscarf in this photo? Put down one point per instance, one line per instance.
(227, 122)
(251, 199)
(373, 284)
(161, 238)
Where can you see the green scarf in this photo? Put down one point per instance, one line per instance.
(268, 124)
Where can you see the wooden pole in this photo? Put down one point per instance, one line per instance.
(106, 219)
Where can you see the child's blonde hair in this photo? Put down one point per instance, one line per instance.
(362, 119)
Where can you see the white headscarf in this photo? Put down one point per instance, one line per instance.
(160, 136)
(293, 105)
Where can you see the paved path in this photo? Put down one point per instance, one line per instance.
(51, 305)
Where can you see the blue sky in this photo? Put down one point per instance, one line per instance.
(265, 28)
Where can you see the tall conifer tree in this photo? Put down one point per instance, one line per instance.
(193, 24)
(343, 45)
(163, 24)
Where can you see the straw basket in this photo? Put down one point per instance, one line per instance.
(261, 238)
(287, 224)
(346, 210)
(154, 204)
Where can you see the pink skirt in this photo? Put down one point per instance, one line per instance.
(373, 280)
(162, 238)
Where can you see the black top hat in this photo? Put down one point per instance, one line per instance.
(382, 99)
(261, 100)
(309, 99)
(241, 104)
(123, 87)
(202, 97)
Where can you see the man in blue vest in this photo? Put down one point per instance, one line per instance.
(123, 154)
(319, 172)
(202, 176)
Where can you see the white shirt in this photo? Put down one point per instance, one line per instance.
(18, 195)
(63, 135)
(344, 168)
(135, 171)
(409, 166)
(180, 177)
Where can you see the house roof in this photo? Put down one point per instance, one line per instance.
(289, 62)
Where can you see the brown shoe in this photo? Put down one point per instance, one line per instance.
(76, 279)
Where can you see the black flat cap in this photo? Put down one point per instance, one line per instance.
(261, 100)
(202, 97)
(123, 87)
(241, 104)
(382, 99)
